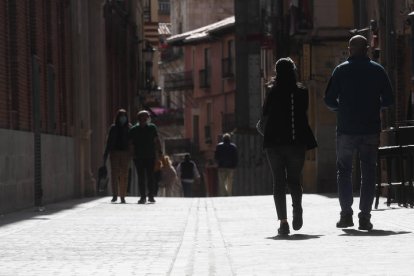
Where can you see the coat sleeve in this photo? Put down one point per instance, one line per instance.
(109, 142)
(387, 97)
(178, 170)
(196, 172)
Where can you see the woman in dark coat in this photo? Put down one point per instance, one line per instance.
(117, 147)
(287, 136)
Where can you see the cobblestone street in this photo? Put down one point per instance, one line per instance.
(201, 236)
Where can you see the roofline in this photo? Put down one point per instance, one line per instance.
(215, 28)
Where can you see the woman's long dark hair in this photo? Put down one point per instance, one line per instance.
(285, 77)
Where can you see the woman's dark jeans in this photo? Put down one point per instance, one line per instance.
(286, 163)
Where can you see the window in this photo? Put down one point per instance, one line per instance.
(228, 62)
(204, 74)
(164, 6)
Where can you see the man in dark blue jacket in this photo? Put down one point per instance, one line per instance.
(357, 91)
(226, 158)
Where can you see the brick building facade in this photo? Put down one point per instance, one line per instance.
(61, 81)
(35, 34)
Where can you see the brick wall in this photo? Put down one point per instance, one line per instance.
(40, 29)
(4, 90)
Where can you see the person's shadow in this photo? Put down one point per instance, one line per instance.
(295, 237)
(374, 232)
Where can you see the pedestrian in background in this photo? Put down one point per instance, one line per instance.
(187, 171)
(226, 157)
(117, 148)
(287, 136)
(147, 148)
(169, 179)
(357, 91)
(157, 173)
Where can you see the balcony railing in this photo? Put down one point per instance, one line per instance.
(227, 65)
(179, 81)
(205, 78)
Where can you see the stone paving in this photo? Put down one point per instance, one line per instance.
(201, 236)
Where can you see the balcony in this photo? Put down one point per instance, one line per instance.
(227, 65)
(205, 78)
(179, 81)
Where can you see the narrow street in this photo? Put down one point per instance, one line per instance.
(201, 236)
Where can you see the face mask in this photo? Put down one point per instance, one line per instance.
(122, 120)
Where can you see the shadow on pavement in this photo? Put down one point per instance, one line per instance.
(386, 209)
(374, 232)
(295, 237)
(329, 195)
(50, 209)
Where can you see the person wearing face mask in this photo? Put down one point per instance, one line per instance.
(117, 147)
(147, 149)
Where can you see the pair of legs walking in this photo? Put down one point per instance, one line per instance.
(225, 176)
(145, 171)
(119, 171)
(367, 148)
(286, 164)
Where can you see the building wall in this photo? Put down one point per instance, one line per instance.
(211, 103)
(35, 96)
(4, 83)
(58, 175)
(192, 14)
(17, 169)
(333, 13)
(31, 33)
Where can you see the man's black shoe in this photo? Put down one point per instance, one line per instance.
(142, 200)
(114, 198)
(345, 221)
(123, 200)
(297, 221)
(365, 224)
(283, 229)
(151, 199)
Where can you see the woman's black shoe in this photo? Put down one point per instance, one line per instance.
(122, 200)
(297, 221)
(283, 229)
(114, 198)
(365, 224)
